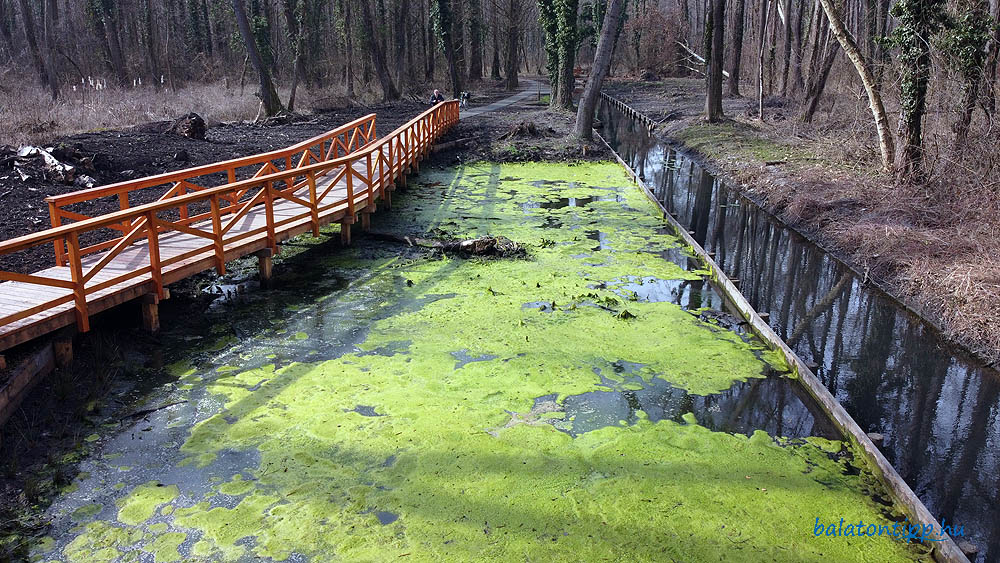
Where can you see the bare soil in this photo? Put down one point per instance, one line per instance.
(933, 247)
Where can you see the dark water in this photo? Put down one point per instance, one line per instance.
(774, 404)
(937, 408)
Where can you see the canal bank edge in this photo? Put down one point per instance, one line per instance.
(970, 348)
(945, 550)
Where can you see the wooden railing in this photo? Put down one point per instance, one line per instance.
(371, 167)
(333, 144)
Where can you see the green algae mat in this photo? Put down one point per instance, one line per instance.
(586, 402)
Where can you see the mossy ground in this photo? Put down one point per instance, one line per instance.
(368, 429)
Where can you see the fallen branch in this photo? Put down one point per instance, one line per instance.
(698, 57)
(144, 412)
(482, 246)
(450, 145)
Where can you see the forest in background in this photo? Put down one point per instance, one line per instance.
(70, 65)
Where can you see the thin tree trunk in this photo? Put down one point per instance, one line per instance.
(5, 34)
(760, 59)
(818, 84)
(989, 100)
(345, 6)
(295, 33)
(786, 62)
(602, 63)
(736, 56)
(268, 94)
(49, 33)
(376, 53)
(402, 7)
(110, 21)
(715, 25)
(513, 19)
(885, 141)
(28, 23)
(475, 41)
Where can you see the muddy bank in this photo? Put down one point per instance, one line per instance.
(920, 245)
(432, 406)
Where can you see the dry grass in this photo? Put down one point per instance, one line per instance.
(28, 114)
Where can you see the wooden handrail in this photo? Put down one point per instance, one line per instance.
(387, 157)
(80, 196)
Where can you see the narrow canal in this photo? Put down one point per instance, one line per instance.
(936, 407)
(586, 400)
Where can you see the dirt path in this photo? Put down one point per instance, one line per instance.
(528, 89)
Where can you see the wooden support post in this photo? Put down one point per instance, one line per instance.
(345, 231)
(3, 362)
(150, 307)
(366, 221)
(387, 199)
(265, 265)
(62, 350)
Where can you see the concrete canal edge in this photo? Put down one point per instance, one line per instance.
(945, 550)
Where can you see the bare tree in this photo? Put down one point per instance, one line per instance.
(602, 63)
(715, 26)
(886, 144)
(736, 56)
(268, 95)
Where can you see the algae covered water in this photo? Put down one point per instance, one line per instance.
(588, 401)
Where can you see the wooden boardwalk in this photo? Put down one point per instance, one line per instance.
(336, 177)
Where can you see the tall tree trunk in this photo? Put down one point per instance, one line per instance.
(376, 53)
(513, 22)
(786, 61)
(399, 40)
(760, 58)
(797, 82)
(445, 28)
(495, 64)
(602, 63)
(152, 58)
(109, 19)
(5, 34)
(297, 36)
(432, 49)
(268, 94)
(28, 23)
(550, 26)
(885, 141)
(992, 61)
(345, 6)
(736, 56)
(566, 16)
(715, 26)
(918, 20)
(475, 40)
(817, 83)
(49, 33)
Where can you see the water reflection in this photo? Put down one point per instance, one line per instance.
(937, 408)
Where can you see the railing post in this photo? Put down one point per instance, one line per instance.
(349, 176)
(311, 178)
(371, 179)
(60, 244)
(153, 235)
(220, 251)
(272, 240)
(288, 166)
(79, 291)
(123, 204)
(181, 188)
